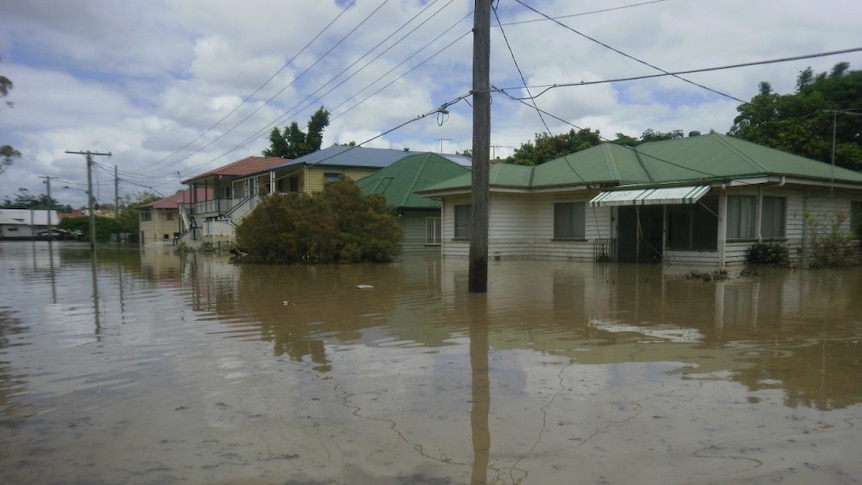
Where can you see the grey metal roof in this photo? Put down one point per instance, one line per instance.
(349, 156)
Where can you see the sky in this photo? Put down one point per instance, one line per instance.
(175, 88)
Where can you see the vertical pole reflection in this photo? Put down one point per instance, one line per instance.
(95, 293)
(481, 387)
(53, 276)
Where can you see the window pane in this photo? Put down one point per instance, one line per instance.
(569, 220)
(432, 230)
(740, 216)
(772, 219)
(462, 221)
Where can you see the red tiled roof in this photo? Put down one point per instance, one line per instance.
(246, 166)
(183, 196)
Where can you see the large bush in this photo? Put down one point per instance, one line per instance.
(338, 224)
(772, 253)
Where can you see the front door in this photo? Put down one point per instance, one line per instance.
(640, 234)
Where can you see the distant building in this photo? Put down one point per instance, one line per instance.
(26, 223)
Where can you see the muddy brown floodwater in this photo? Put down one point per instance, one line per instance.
(149, 368)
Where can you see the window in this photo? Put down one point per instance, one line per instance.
(462, 221)
(693, 227)
(146, 216)
(856, 217)
(772, 217)
(169, 216)
(569, 220)
(432, 230)
(741, 210)
(331, 176)
(294, 184)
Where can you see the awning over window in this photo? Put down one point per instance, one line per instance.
(655, 196)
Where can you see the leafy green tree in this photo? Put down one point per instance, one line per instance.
(824, 105)
(25, 200)
(546, 147)
(293, 142)
(105, 226)
(338, 224)
(652, 135)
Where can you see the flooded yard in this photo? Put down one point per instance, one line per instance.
(150, 368)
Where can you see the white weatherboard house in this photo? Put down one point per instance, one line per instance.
(25, 223)
(699, 201)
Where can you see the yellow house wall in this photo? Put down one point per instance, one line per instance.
(315, 179)
(163, 222)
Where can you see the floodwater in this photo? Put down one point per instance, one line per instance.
(157, 369)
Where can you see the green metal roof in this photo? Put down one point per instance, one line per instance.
(399, 181)
(704, 158)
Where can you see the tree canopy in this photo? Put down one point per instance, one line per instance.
(293, 143)
(25, 200)
(338, 224)
(7, 153)
(824, 105)
(547, 147)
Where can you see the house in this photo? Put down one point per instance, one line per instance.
(161, 222)
(242, 186)
(26, 223)
(419, 216)
(211, 219)
(699, 201)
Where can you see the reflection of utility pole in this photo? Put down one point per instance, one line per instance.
(89, 156)
(441, 140)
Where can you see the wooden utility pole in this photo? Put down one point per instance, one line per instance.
(478, 273)
(89, 156)
(50, 205)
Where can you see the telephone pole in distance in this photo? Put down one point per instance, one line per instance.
(90, 156)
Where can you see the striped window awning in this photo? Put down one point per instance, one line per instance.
(653, 196)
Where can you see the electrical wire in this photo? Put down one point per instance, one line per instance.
(296, 109)
(548, 87)
(629, 56)
(293, 81)
(520, 73)
(259, 88)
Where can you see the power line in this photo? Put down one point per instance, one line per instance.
(629, 56)
(259, 88)
(548, 87)
(520, 73)
(258, 133)
(591, 12)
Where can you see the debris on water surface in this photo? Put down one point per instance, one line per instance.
(364, 287)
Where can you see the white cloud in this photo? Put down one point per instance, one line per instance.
(144, 79)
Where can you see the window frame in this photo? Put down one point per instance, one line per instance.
(570, 221)
(734, 229)
(770, 229)
(461, 221)
(433, 231)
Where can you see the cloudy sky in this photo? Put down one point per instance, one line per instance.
(173, 88)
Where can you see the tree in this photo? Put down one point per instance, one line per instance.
(7, 153)
(338, 224)
(293, 142)
(25, 200)
(105, 226)
(824, 105)
(547, 147)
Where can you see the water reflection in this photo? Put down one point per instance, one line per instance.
(206, 372)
